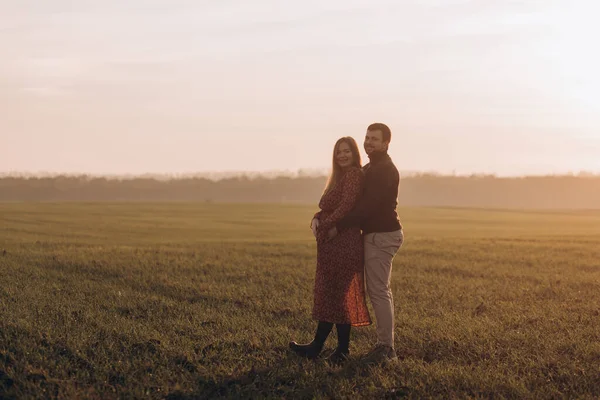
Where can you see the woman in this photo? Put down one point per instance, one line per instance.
(339, 294)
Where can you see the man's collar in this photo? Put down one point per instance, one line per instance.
(378, 156)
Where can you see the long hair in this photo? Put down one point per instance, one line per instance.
(336, 170)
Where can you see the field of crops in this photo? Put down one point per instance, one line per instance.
(143, 300)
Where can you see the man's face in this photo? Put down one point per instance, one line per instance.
(374, 142)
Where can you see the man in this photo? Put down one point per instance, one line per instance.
(376, 215)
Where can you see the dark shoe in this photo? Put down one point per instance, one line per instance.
(338, 357)
(311, 350)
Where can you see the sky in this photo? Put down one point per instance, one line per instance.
(186, 86)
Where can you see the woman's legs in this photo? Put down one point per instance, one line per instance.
(342, 351)
(343, 331)
(312, 349)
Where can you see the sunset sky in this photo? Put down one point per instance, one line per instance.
(180, 86)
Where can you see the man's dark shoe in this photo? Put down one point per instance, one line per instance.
(310, 351)
(338, 357)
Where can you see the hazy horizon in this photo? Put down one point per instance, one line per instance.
(158, 87)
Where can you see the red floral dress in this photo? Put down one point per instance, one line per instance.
(339, 294)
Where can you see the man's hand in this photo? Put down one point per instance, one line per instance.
(332, 233)
(314, 224)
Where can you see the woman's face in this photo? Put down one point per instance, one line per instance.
(344, 156)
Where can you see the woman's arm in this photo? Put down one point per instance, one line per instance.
(351, 191)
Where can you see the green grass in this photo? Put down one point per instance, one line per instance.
(200, 301)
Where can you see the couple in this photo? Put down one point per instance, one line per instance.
(356, 199)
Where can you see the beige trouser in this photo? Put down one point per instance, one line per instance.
(380, 249)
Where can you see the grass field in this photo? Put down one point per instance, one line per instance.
(200, 301)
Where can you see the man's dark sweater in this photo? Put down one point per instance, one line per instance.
(376, 209)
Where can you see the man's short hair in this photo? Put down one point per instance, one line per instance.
(386, 133)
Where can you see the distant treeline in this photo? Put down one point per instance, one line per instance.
(415, 190)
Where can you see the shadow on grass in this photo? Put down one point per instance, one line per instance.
(291, 377)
